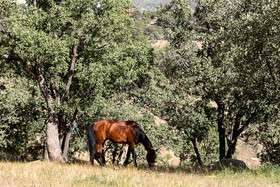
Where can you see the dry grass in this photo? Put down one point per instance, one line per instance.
(51, 174)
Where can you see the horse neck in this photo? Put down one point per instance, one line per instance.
(143, 139)
(147, 143)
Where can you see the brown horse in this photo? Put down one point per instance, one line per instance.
(120, 132)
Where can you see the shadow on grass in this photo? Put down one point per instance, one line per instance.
(198, 170)
(172, 169)
(145, 167)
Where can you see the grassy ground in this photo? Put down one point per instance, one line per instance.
(51, 174)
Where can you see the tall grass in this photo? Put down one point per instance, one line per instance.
(51, 174)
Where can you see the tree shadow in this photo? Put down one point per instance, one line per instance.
(198, 170)
(173, 169)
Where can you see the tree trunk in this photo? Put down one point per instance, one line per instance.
(67, 132)
(53, 145)
(196, 151)
(46, 154)
(66, 146)
(193, 140)
(231, 148)
(222, 142)
(52, 134)
(222, 132)
(233, 140)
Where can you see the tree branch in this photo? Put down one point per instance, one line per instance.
(70, 73)
(41, 81)
(248, 121)
(86, 94)
(193, 140)
(272, 74)
(55, 91)
(30, 67)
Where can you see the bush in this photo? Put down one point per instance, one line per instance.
(21, 120)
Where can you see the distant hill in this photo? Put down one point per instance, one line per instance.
(153, 4)
(149, 4)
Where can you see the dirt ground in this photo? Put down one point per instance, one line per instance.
(248, 153)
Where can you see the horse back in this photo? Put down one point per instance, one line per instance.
(116, 131)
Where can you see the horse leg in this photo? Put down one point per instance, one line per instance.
(120, 156)
(97, 158)
(103, 154)
(92, 159)
(99, 155)
(114, 153)
(94, 156)
(127, 157)
(134, 157)
(131, 147)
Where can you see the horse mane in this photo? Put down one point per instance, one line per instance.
(141, 137)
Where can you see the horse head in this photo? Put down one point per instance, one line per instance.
(151, 156)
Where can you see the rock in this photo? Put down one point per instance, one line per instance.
(228, 163)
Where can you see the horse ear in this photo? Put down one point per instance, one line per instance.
(156, 149)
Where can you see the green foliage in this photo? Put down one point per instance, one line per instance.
(220, 73)
(145, 23)
(224, 53)
(51, 35)
(249, 62)
(268, 136)
(190, 115)
(270, 140)
(153, 32)
(22, 117)
(95, 42)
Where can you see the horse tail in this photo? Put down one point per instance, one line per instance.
(92, 141)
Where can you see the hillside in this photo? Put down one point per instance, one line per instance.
(149, 4)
